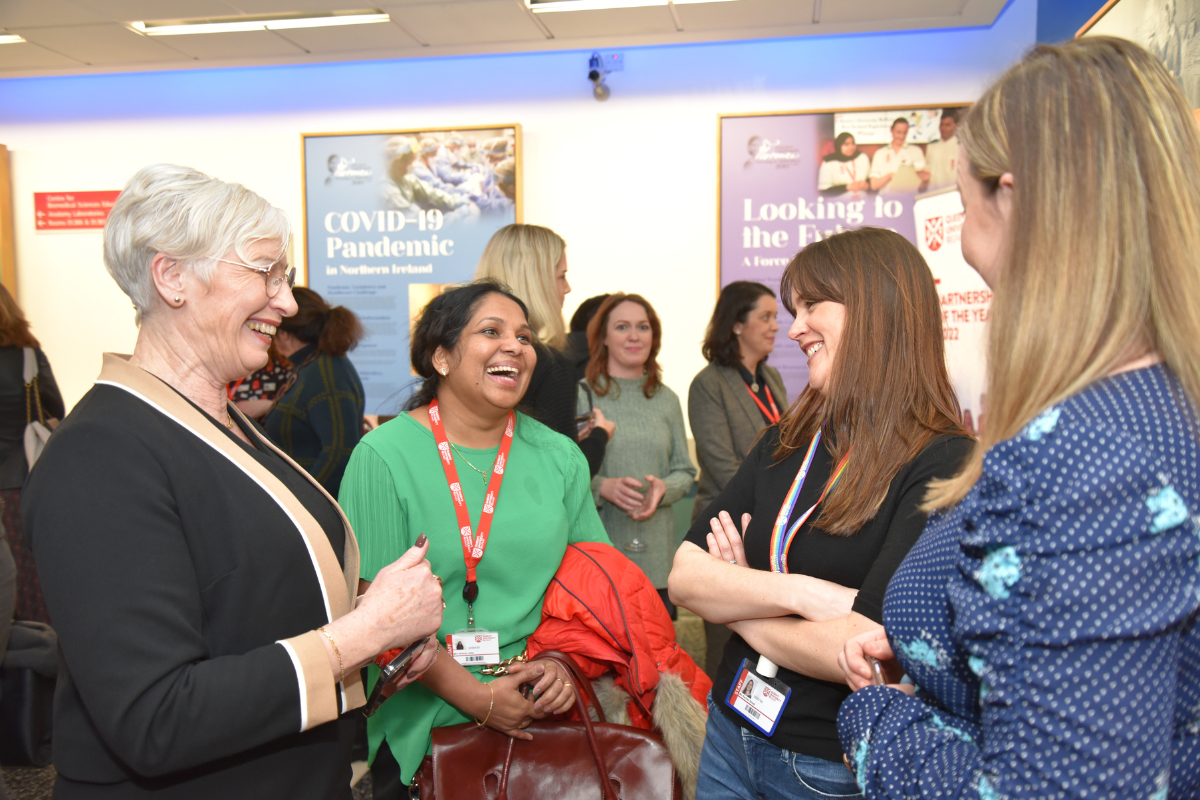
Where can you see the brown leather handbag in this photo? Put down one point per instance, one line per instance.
(566, 760)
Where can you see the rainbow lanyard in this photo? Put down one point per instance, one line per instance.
(781, 535)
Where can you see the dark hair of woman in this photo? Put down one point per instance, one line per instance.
(889, 392)
(597, 368)
(14, 328)
(441, 325)
(734, 305)
(583, 315)
(335, 330)
(837, 154)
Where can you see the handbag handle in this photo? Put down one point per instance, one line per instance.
(567, 664)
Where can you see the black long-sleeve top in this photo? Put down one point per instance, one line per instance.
(13, 468)
(864, 561)
(186, 599)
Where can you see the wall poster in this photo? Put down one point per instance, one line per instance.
(1170, 29)
(393, 217)
(793, 178)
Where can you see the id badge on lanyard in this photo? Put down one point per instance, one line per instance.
(756, 695)
(473, 545)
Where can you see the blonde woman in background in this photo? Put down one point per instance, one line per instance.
(532, 262)
(1049, 610)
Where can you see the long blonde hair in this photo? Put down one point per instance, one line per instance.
(525, 257)
(1101, 248)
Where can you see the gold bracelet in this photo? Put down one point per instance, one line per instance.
(490, 702)
(336, 652)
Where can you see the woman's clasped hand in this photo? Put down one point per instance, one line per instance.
(530, 691)
(629, 495)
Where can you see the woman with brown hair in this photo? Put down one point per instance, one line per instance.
(647, 468)
(1049, 611)
(317, 418)
(18, 404)
(828, 505)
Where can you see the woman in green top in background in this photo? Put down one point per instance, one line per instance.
(647, 467)
(473, 347)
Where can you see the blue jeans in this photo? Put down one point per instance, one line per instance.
(736, 763)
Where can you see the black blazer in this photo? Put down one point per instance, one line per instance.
(185, 575)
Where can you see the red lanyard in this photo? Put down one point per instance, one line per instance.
(773, 414)
(473, 546)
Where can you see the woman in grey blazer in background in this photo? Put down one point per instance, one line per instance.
(732, 399)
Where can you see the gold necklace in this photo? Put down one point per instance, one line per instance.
(483, 474)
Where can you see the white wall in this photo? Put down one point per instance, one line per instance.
(631, 184)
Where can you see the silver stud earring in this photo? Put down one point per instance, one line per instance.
(444, 371)
(178, 300)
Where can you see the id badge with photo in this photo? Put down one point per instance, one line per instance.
(474, 648)
(759, 700)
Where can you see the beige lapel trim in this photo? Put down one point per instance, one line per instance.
(338, 585)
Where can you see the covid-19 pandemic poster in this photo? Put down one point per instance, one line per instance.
(790, 179)
(394, 217)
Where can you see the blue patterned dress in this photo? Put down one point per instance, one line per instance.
(1051, 619)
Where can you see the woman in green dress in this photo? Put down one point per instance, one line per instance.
(461, 466)
(647, 467)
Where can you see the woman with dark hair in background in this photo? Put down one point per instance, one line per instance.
(731, 400)
(15, 336)
(845, 169)
(576, 348)
(438, 469)
(647, 468)
(828, 502)
(532, 261)
(318, 416)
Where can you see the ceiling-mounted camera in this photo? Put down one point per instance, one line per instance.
(596, 74)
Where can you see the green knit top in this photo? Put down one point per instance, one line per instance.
(394, 490)
(650, 439)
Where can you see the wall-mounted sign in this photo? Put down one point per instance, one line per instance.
(793, 178)
(72, 211)
(391, 219)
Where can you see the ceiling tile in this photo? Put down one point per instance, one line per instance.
(613, 22)
(875, 12)
(136, 10)
(472, 22)
(744, 14)
(347, 38)
(26, 56)
(243, 44)
(100, 44)
(44, 12)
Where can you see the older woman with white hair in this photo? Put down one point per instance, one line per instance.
(202, 585)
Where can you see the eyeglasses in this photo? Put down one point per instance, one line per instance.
(275, 275)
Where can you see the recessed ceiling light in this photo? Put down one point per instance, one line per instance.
(277, 22)
(548, 6)
(10, 38)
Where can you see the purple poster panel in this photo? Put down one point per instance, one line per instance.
(788, 180)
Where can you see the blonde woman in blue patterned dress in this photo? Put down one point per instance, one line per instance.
(1049, 611)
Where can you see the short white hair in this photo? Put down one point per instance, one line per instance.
(188, 216)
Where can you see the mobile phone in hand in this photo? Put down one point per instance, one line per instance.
(392, 665)
(876, 671)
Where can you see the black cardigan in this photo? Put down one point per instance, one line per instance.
(185, 601)
(551, 400)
